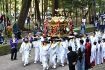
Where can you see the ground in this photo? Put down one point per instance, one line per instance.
(7, 64)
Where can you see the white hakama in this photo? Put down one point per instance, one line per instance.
(25, 50)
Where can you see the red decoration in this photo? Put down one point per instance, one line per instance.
(71, 26)
(45, 26)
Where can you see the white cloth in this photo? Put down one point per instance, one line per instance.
(72, 44)
(25, 49)
(45, 55)
(103, 36)
(78, 43)
(36, 45)
(102, 51)
(93, 53)
(63, 52)
(53, 54)
(103, 47)
(98, 54)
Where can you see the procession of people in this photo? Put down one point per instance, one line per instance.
(80, 51)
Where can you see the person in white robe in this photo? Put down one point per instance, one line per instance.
(40, 47)
(103, 48)
(72, 44)
(36, 45)
(77, 43)
(93, 54)
(98, 52)
(44, 55)
(58, 52)
(25, 50)
(103, 36)
(63, 53)
(53, 54)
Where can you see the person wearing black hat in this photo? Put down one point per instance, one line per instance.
(25, 50)
(72, 58)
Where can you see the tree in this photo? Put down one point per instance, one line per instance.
(54, 7)
(23, 13)
(38, 12)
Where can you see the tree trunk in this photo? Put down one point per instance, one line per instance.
(42, 10)
(38, 12)
(23, 13)
(6, 6)
(54, 7)
(76, 16)
(10, 6)
(45, 6)
(15, 10)
(3, 6)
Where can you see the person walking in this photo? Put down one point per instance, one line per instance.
(25, 50)
(14, 44)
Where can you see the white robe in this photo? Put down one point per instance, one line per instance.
(63, 52)
(53, 54)
(93, 54)
(25, 49)
(45, 56)
(58, 52)
(98, 54)
(78, 43)
(103, 36)
(36, 45)
(72, 44)
(102, 52)
(103, 47)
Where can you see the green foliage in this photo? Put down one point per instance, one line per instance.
(87, 30)
(5, 49)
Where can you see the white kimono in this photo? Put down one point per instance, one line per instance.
(36, 45)
(103, 48)
(103, 36)
(98, 54)
(63, 53)
(93, 53)
(53, 55)
(103, 52)
(72, 44)
(78, 43)
(58, 52)
(45, 56)
(25, 49)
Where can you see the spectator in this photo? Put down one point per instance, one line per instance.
(16, 31)
(1, 38)
(13, 43)
(72, 58)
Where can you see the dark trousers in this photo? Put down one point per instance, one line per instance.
(13, 53)
(71, 67)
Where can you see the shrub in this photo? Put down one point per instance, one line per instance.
(5, 49)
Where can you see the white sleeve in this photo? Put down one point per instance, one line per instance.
(21, 48)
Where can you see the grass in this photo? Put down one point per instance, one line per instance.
(91, 29)
(5, 49)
